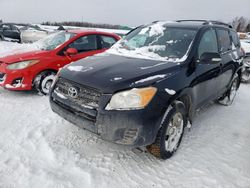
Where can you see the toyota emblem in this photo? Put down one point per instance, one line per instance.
(73, 92)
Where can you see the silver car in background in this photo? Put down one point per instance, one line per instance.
(30, 34)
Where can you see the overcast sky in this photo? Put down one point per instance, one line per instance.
(125, 12)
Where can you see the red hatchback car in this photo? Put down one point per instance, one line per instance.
(36, 69)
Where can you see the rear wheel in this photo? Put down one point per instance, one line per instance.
(43, 81)
(230, 95)
(170, 134)
(246, 76)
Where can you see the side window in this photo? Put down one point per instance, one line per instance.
(85, 43)
(208, 43)
(6, 27)
(14, 28)
(107, 41)
(224, 40)
(235, 38)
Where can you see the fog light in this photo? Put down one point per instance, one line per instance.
(2, 77)
(129, 137)
(17, 82)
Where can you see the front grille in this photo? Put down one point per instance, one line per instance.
(90, 117)
(86, 97)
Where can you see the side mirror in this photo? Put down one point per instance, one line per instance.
(70, 52)
(210, 58)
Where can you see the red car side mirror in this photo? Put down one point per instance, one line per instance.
(71, 51)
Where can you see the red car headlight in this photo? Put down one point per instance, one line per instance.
(22, 64)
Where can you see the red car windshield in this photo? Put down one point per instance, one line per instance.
(53, 41)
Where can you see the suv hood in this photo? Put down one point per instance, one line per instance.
(110, 73)
(23, 56)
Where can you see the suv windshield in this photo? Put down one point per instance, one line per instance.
(157, 42)
(54, 40)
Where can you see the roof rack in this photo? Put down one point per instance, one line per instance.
(207, 22)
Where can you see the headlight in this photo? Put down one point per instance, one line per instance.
(131, 99)
(22, 64)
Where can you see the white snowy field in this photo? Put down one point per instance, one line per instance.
(38, 149)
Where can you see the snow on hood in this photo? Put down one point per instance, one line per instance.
(161, 76)
(10, 48)
(79, 68)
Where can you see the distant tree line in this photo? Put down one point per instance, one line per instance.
(241, 24)
(86, 24)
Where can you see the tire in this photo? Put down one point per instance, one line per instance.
(246, 76)
(164, 147)
(43, 82)
(228, 98)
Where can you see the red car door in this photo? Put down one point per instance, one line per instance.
(86, 46)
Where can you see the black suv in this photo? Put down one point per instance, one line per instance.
(9, 32)
(145, 90)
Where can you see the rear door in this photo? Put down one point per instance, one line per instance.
(205, 84)
(15, 32)
(229, 55)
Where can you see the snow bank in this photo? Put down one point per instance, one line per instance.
(40, 149)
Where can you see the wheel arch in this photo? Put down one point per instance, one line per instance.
(186, 97)
(45, 70)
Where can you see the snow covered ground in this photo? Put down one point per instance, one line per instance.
(38, 149)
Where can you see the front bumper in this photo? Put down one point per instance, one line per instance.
(15, 80)
(132, 128)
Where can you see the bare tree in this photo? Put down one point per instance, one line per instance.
(240, 24)
(248, 28)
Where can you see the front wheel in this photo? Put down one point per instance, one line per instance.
(170, 134)
(43, 81)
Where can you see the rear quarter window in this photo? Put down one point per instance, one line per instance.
(224, 40)
(107, 41)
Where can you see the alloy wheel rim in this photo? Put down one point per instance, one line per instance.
(174, 132)
(46, 83)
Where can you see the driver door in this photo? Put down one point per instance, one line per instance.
(205, 85)
(86, 46)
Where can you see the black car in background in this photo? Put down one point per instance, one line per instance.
(9, 32)
(148, 86)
